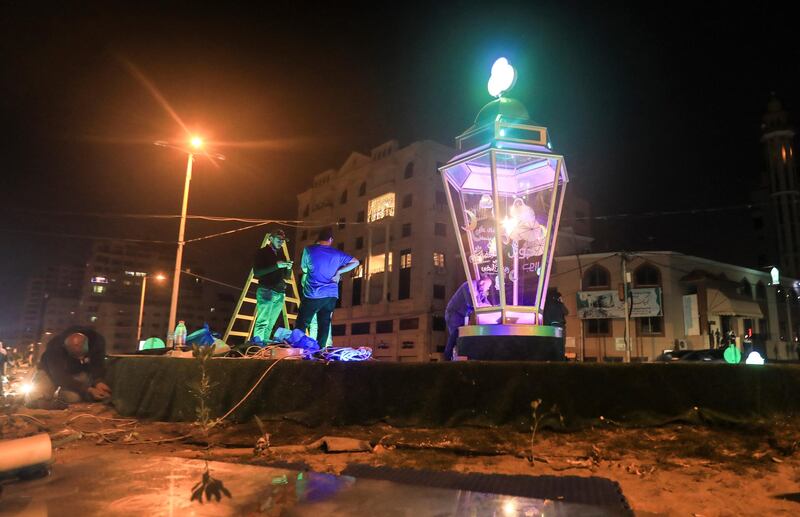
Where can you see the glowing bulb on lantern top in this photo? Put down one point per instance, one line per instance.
(502, 79)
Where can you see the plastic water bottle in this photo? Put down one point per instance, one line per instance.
(180, 334)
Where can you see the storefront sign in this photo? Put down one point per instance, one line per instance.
(645, 302)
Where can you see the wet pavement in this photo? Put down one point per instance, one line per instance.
(122, 483)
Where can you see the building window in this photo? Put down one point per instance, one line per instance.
(646, 276)
(98, 289)
(405, 259)
(359, 329)
(408, 200)
(360, 216)
(440, 229)
(745, 288)
(763, 328)
(384, 327)
(407, 345)
(438, 259)
(441, 200)
(761, 291)
(362, 189)
(359, 243)
(405, 230)
(343, 198)
(376, 264)
(338, 330)
(409, 172)
(650, 326)
(597, 277)
(438, 292)
(341, 223)
(598, 327)
(439, 323)
(381, 207)
(409, 324)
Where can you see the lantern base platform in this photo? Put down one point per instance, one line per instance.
(511, 342)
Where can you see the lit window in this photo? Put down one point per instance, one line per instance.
(359, 271)
(438, 259)
(99, 289)
(405, 259)
(92, 318)
(783, 153)
(381, 207)
(376, 264)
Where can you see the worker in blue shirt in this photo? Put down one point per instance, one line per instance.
(322, 267)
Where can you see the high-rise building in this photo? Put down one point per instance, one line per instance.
(51, 302)
(112, 287)
(105, 293)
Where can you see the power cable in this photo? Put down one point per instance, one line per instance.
(207, 279)
(90, 237)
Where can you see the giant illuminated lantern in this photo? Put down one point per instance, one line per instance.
(505, 190)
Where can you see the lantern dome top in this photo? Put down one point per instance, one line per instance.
(505, 106)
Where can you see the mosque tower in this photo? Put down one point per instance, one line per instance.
(782, 221)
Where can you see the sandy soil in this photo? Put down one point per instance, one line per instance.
(678, 470)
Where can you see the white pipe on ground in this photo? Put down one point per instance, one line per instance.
(25, 452)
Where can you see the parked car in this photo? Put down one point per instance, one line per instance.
(671, 355)
(708, 355)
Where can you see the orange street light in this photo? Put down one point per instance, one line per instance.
(195, 146)
(158, 277)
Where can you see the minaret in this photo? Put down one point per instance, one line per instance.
(783, 185)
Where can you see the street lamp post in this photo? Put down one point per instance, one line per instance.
(196, 144)
(141, 304)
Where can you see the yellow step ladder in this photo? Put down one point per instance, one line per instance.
(243, 320)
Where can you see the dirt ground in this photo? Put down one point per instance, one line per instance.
(676, 470)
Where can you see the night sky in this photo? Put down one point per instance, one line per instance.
(656, 108)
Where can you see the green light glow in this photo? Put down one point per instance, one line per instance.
(732, 355)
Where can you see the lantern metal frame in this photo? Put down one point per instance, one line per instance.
(529, 143)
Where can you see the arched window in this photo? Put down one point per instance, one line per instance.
(745, 288)
(596, 277)
(343, 198)
(409, 172)
(646, 275)
(362, 189)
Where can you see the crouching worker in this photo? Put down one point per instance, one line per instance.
(71, 370)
